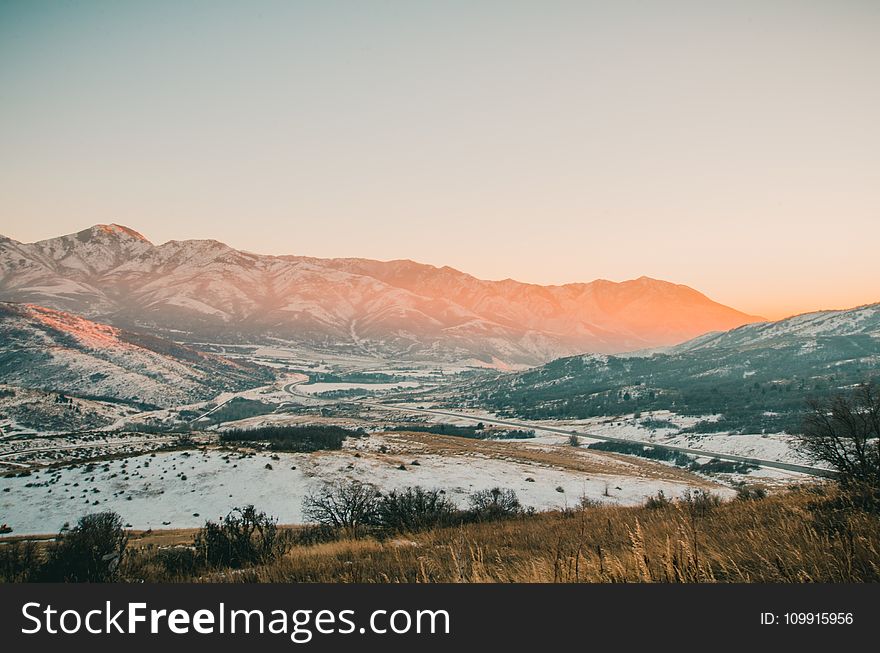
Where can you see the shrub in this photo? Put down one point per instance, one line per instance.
(750, 493)
(494, 504)
(412, 509)
(244, 537)
(658, 501)
(19, 561)
(180, 560)
(699, 502)
(312, 534)
(586, 503)
(90, 552)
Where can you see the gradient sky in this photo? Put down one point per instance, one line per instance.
(730, 146)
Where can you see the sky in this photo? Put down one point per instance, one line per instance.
(732, 147)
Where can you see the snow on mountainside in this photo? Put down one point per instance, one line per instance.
(401, 308)
(806, 328)
(46, 348)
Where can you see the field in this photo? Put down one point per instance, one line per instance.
(181, 488)
(807, 534)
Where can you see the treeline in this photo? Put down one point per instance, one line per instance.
(714, 466)
(354, 377)
(478, 432)
(298, 439)
(236, 409)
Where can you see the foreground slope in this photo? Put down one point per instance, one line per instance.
(400, 308)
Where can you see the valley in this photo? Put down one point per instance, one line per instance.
(173, 383)
(167, 467)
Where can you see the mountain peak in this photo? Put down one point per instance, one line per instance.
(113, 229)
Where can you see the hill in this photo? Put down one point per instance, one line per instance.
(48, 349)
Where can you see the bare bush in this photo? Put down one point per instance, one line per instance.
(244, 537)
(349, 505)
(699, 503)
(494, 503)
(414, 508)
(659, 501)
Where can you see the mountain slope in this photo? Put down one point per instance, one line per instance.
(399, 308)
(757, 376)
(50, 349)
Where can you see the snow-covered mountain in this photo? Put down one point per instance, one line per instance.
(806, 330)
(54, 350)
(211, 291)
(757, 376)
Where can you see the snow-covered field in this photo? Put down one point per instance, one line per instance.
(769, 446)
(183, 489)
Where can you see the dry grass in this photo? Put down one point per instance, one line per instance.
(577, 459)
(799, 536)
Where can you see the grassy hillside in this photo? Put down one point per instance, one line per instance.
(802, 536)
(811, 534)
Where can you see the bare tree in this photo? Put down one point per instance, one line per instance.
(843, 432)
(342, 504)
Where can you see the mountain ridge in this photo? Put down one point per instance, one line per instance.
(208, 289)
(54, 350)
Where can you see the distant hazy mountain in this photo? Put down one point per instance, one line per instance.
(757, 376)
(211, 291)
(48, 349)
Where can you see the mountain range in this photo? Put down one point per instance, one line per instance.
(206, 290)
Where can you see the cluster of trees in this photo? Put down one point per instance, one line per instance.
(636, 449)
(240, 408)
(355, 377)
(95, 550)
(300, 439)
(478, 432)
(714, 466)
(355, 508)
